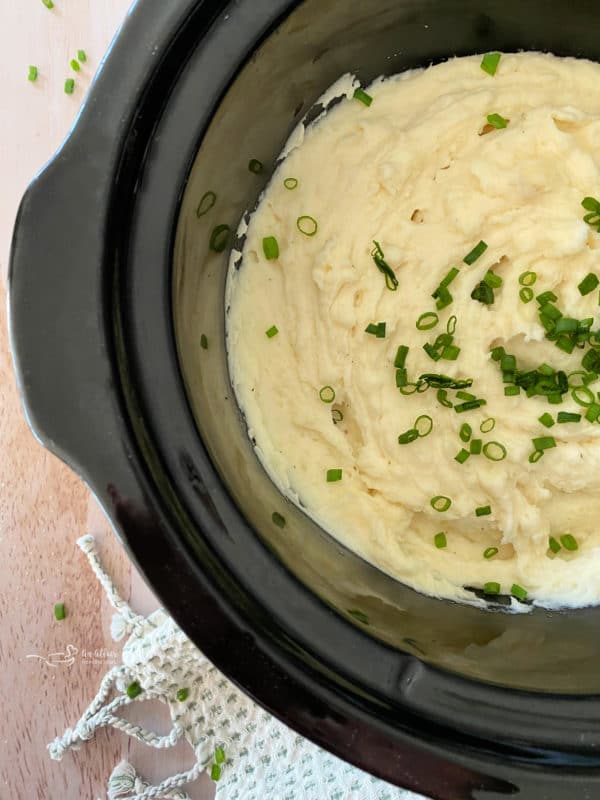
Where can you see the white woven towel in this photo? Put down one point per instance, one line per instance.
(259, 757)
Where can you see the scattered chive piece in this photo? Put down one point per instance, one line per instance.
(33, 74)
(546, 420)
(497, 353)
(462, 456)
(362, 96)
(376, 329)
(401, 377)
(439, 540)
(535, 456)
(48, 3)
(410, 388)
(582, 396)
(270, 248)
(334, 475)
(497, 121)
(272, 331)
(278, 519)
(451, 325)
(465, 431)
(215, 772)
(423, 425)
(527, 278)
(483, 511)
(469, 405)
(59, 611)
(336, 416)
(219, 755)
(204, 342)
(491, 587)
(327, 394)
(133, 690)
(526, 294)
(546, 297)
(544, 442)
(358, 615)
(182, 694)
(411, 435)
(510, 391)
(588, 284)
(255, 166)
(593, 206)
(75, 65)
(307, 225)
(569, 542)
(475, 446)
(487, 425)
(207, 201)
(290, 183)
(82, 56)
(437, 381)
(553, 544)
(484, 293)
(69, 86)
(566, 416)
(432, 351)
(442, 398)
(427, 321)
(591, 360)
(391, 281)
(494, 451)
(450, 352)
(401, 353)
(518, 591)
(490, 552)
(593, 412)
(219, 238)
(440, 503)
(475, 253)
(465, 396)
(489, 63)
(493, 280)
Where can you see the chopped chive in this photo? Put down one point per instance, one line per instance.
(82, 56)
(535, 456)
(401, 377)
(497, 353)
(376, 329)
(204, 342)
(483, 511)
(475, 253)
(566, 416)
(475, 446)
(307, 225)
(409, 389)
(489, 63)
(358, 615)
(134, 690)
(487, 425)
(442, 398)
(59, 611)
(451, 325)
(219, 238)
(544, 442)
(334, 475)
(526, 294)
(207, 201)
(272, 331)
(593, 206)
(336, 416)
(439, 540)
(465, 396)
(465, 432)
(440, 503)
(443, 298)
(401, 353)
(497, 121)
(593, 412)
(48, 3)
(591, 360)
(432, 351)
(75, 65)
(493, 281)
(270, 248)
(255, 166)
(423, 425)
(69, 86)
(527, 278)
(490, 552)
(182, 695)
(518, 591)
(327, 394)
(362, 97)
(546, 297)
(484, 293)
(569, 542)
(462, 456)
(290, 183)
(583, 396)
(494, 451)
(553, 544)
(510, 391)
(411, 435)
(33, 74)
(451, 352)
(588, 284)
(491, 587)
(451, 274)
(546, 420)
(215, 773)
(566, 325)
(437, 381)
(427, 321)
(468, 406)
(278, 519)
(391, 281)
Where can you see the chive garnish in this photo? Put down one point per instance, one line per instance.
(591, 360)
(290, 183)
(215, 773)
(475, 253)
(423, 425)
(553, 544)
(465, 396)
(518, 591)
(33, 74)
(442, 398)
(583, 396)
(535, 456)
(255, 166)
(207, 201)
(588, 284)
(411, 435)
(569, 542)
(511, 391)
(336, 415)
(491, 587)
(327, 394)
(204, 342)
(334, 475)
(82, 56)
(75, 65)
(219, 755)
(465, 431)
(376, 329)
(307, 225)
(134, 690)
(490, 552)
(469, 405)
(427, 321)
(362, 97)
(182, 695)
(401, 353)
(440, 503)
(526, 294)
(401, 377)
(483, 511)
(272, 331)
(497, 121)
(410, 388)
(48, 3)
(593, 412)
(494, 451)
(270, 248)
(438, 381)
(487, 425)
(59, 611)
(493, 281)
(439, 540)
(484, 293)
(527, 278)
(219, 238)
(475, 446)
(278, 519)
(544, 442)
(566, 416)
(358, 615)
(451, 325)
(593, 206)
(391, 281)
(69, 86)
(462, 456)
(546, 420)
(489, 63)
(497, 353)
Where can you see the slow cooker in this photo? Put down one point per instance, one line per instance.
(112, 283)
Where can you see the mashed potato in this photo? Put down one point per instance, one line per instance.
(449, 173)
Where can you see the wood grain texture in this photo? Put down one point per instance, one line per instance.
(44, 508)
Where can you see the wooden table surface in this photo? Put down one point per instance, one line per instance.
(44, 506)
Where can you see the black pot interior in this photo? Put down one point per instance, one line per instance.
(317, 42)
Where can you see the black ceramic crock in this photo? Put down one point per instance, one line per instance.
(112, 284)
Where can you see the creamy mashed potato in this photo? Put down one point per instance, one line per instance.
(423, 173)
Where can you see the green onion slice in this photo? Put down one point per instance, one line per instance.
(134, 690)
(583, 396)
(336, 415)
(442, 398)
(440, 503)
(518, 591)
(59, 611)
(527, 278)
(490, 552)
(401, 353)
(219, 755)
(33, 74)
(278, 519)
(526, 294)
(424, 425)
(272, 331)
(215, 773)
(82, 56)
(440, 541)
(546, 420)
(487, 425)
(204, 342)
(544, 442)
(475, 446)
(391, 281)
(182, 694)
(569, 542)
(465, 432)
(491, 587)
(553, 544)
(290, 183)
(494, 451)
(219, 238)
(427, 321)
(327, 394)
(255, 166)
(69, 86)
(362, 97)
(588, 284)
(307, 225)
(75, 65)
(270, 248)
(475, 253)
(207, 201)
(566, 416)
(462, 456)
(334, 475)
(483, 511)
(489, 63)
(535, 456)
(411, 435)
(451, 325)
(497, 121)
